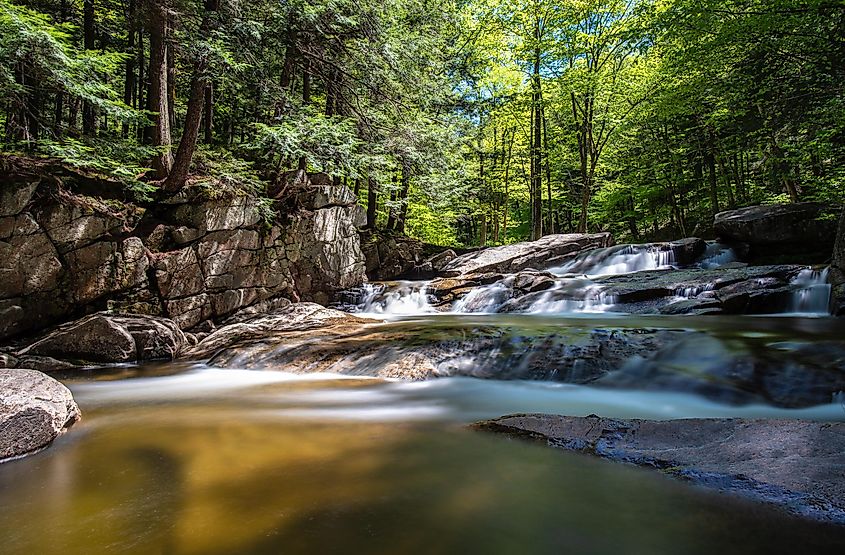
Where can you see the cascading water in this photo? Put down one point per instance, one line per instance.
(812, 293)
(715, 256)
(584, 296)
(621, 259)
(485, 299)
(399, 298)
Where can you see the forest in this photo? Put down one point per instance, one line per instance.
(458, 122)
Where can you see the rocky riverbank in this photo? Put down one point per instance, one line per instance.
(72, 244)
(796, 465)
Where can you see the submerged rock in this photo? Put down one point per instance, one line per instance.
(34, 410)
(794, 464)
(545, 252)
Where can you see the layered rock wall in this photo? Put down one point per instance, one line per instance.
(192, 259)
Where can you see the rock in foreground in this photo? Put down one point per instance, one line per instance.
(34, 410)
(797, 465)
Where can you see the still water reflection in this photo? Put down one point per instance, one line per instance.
(223, 463)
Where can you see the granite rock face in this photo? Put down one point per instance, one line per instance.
(34, 410)
(190, 258)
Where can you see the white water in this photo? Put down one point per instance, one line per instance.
(812, 294)
(485, 299)
(401, 298)
(458, 399)
(716, 255)
(575, 292)
(589, 298)
(618, 260)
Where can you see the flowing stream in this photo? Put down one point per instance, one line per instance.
(195, 458)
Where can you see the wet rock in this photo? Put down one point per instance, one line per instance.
(48, 365)
(111, 338)
(743, 290)
(34, 410)
(305, 339)
(543, 253)
(297, 317)
(806, 229)
(796, 465)
(688, 250)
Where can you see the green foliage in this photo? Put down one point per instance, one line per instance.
(655, 113)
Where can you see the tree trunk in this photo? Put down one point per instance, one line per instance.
(551, 228)
(59, 107)
(196, 103)
(171, 80)
(710, 162)
(372, 201)
(208, 114)
(403, 198)
(391, 213)
(129, 81)
(188, 142)
(306, 99)
(506, 203)
(142, 84)
(89, 122)
(536, 152)
(157, 96)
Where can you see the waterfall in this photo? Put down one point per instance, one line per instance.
(589, 297)
(715, 256)
(398, 298)
(485, 299)
(812, 292)
(622, 259)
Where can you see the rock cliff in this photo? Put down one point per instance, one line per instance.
(68, 249)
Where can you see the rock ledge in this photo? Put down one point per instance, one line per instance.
(796, 465)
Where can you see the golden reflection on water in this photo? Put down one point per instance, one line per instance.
(210, 479)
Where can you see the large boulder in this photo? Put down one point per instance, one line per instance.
(805, 229)
(34, 410)
(111, 338)
(794, 464)
(549, 251)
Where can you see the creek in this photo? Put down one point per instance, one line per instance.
(226, 456)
